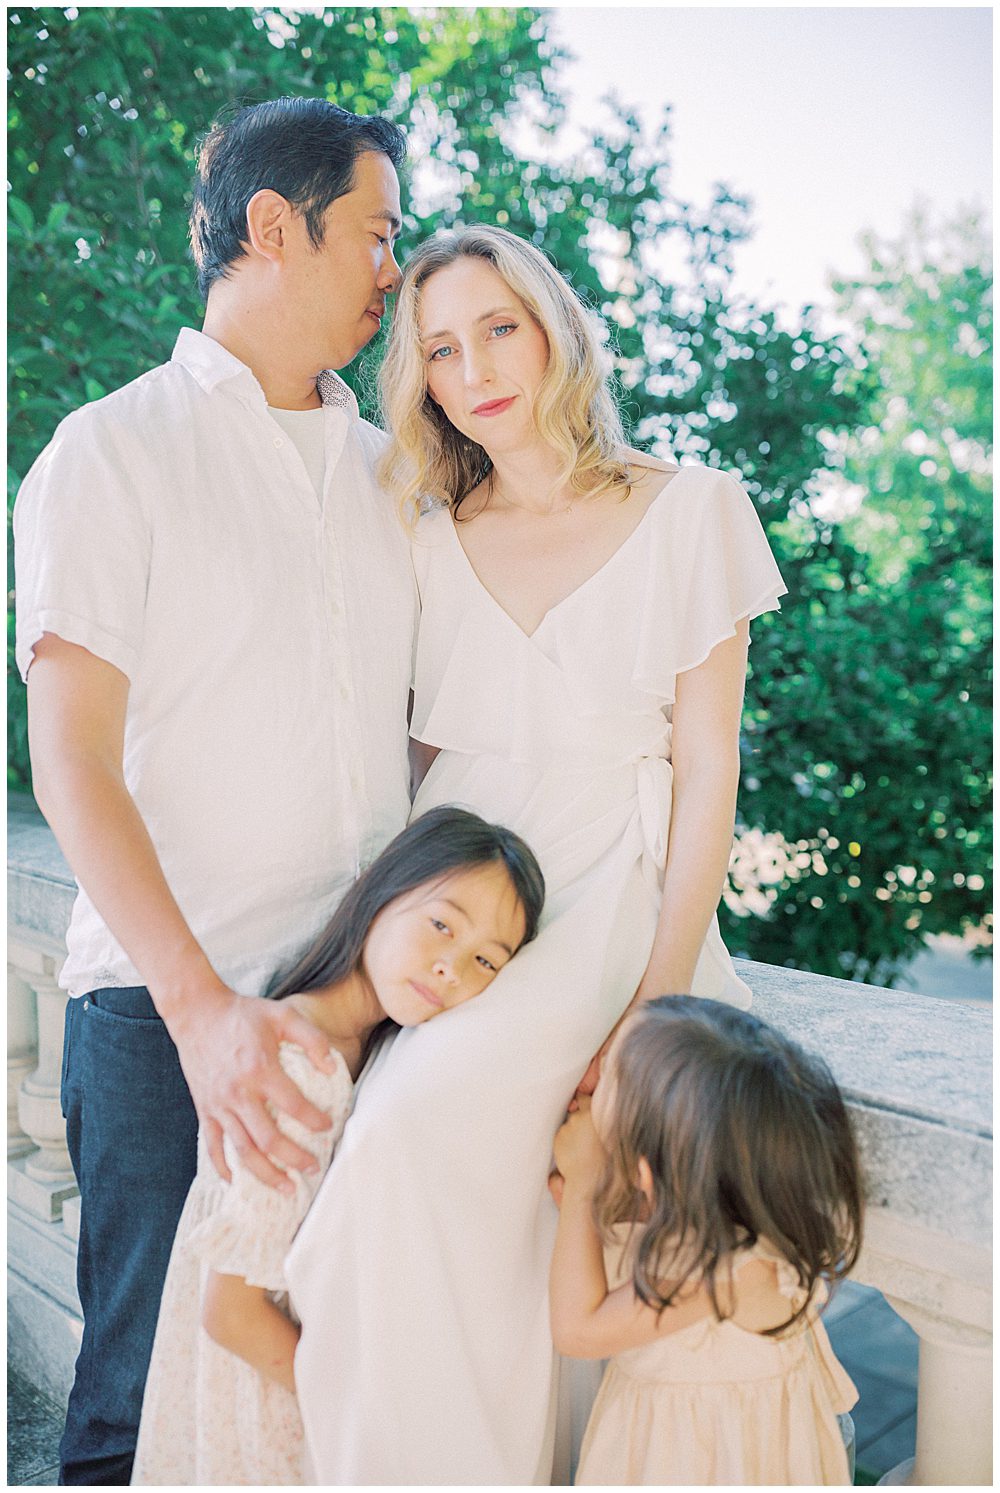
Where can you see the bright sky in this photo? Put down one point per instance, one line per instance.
(833, 120)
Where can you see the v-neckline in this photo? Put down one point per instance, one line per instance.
(570, 595)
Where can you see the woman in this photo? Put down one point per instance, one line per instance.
(579, 676)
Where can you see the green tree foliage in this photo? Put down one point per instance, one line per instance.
(876, 700)
(851, 767)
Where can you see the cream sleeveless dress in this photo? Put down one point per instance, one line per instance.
(717, 1405)
(420, 1274)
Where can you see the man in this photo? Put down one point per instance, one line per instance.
(215, 621)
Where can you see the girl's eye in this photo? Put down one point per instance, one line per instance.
(502, 328)
(441, 927)
(379, 239)
(486, 963)
(439, 353)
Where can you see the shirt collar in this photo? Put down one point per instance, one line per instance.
(212, 365)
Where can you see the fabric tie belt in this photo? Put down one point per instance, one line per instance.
(655, 783)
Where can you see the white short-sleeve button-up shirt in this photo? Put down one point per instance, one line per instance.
(267, 636)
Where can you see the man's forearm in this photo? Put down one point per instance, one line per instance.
(101, 832)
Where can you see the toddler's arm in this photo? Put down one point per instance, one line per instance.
(588, 1320)
(245, 1320)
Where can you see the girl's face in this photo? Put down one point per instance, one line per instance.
(485, 356)
(443, 943)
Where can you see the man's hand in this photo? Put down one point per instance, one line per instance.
(228, 1047)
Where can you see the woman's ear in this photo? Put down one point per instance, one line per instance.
(644, 1179)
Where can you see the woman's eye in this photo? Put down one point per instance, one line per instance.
(439, 353)
(379, 239)
(486, 963)
(503, 328)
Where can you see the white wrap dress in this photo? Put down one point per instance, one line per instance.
(420, 1274)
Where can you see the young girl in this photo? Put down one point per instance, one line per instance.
(729, 1191)
(428, 926)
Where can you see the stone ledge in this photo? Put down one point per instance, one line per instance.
(42, 1255)
(916, 1073)
(931, 1273)
(940, 1068)
(40, 885)
(43, 1199)
(43, 1338)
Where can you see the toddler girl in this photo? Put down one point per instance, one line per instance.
(716, 1161)
(426, 927)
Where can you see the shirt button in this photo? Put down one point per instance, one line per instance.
(278, 442)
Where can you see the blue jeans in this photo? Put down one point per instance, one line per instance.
(132, 1134)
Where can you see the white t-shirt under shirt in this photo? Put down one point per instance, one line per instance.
(173, 530)
(307, 430)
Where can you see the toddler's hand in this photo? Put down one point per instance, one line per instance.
(578, 1151)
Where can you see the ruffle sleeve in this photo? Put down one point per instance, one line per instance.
(786, 1275)
(708, 567)
(838, 1387)
(247, 1227)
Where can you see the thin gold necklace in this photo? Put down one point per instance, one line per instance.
(552, 513)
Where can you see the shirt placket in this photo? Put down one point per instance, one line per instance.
(347, 721)
(345, 751)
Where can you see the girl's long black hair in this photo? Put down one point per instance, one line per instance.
(747, 1137)
(440, 842)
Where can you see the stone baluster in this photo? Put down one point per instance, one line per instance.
(22, 1055)
(942, 1287)
(954, 1404)
(42, 1179)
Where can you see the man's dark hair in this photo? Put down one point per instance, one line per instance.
(303, 148)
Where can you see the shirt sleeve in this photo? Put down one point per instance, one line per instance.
(250, 1231)
(82, 543)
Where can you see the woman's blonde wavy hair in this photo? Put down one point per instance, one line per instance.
(575, 412)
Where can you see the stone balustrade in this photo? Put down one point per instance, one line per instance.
(916, 1073)
(43, 1308)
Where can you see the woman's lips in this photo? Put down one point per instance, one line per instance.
(494, 406)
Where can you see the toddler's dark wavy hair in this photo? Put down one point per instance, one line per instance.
(747, 1137)
(434, 846)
